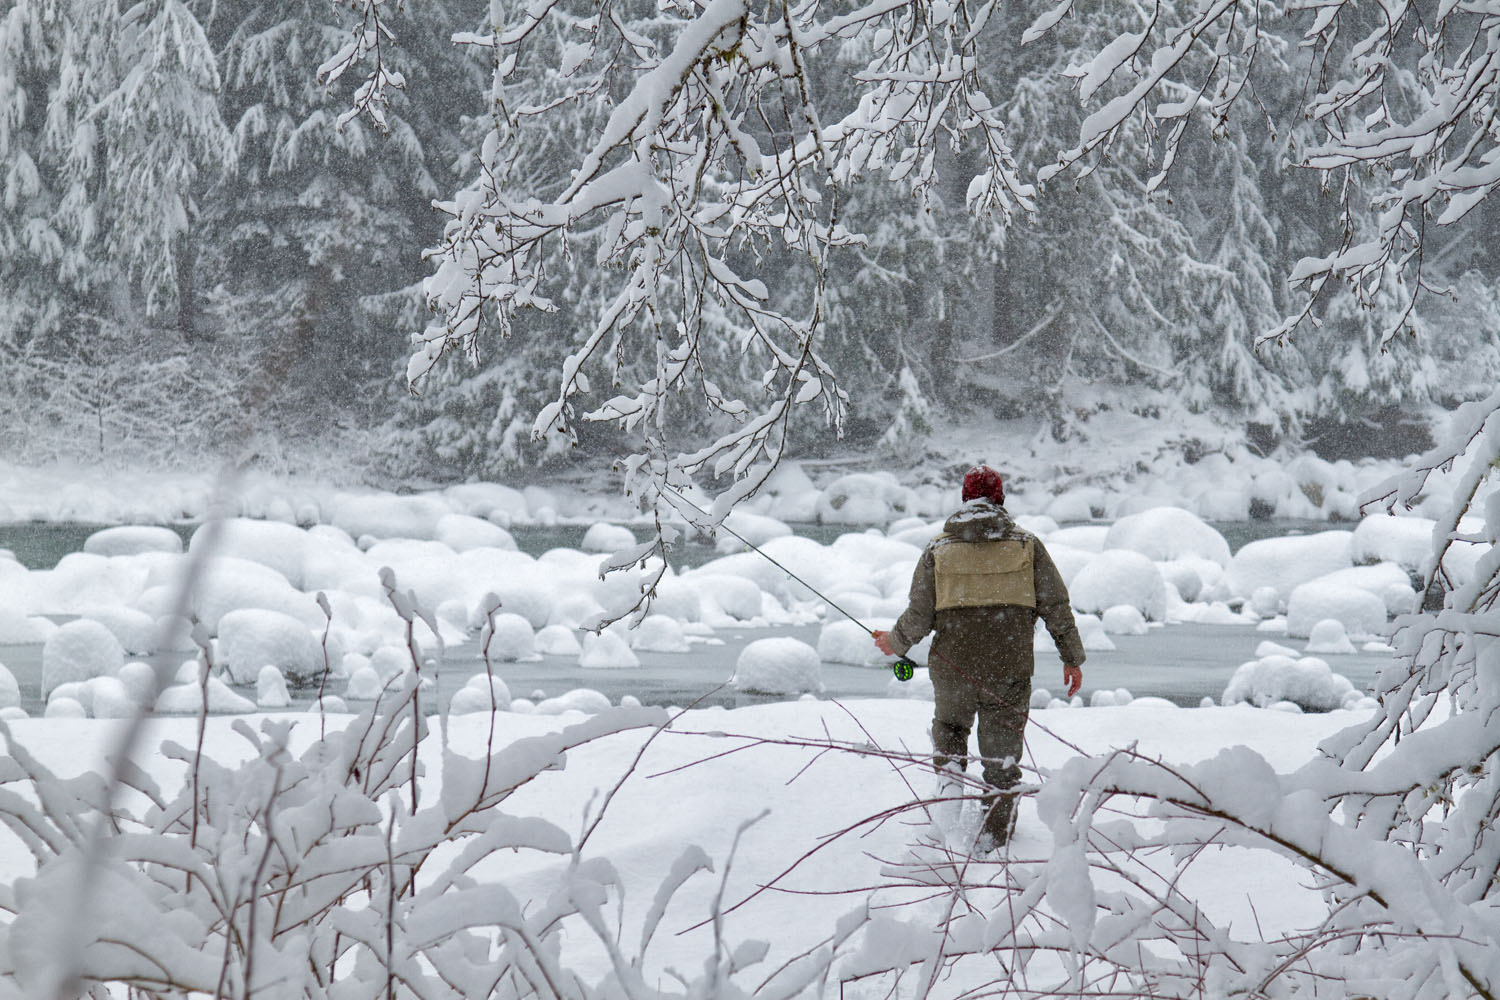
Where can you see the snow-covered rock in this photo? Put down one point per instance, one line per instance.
(605, 537)
(731, 596)
(866, 498)
(1087, 537)
(252, 638)
(462, 532)
(270, 688)
(585, 700)
(1123, 619)
(1090, 630)
(606, 651)
(272, 544)
(1328, 637)
(658, 634)
(1118, 698)
(64, 708)
(1120, 576)
(1284, 563)
(78, 651)
(481, 693)
(132, 539)
(388, 516)
(558, 640)
(20, 629)
(1069, 560)
(502, 505)
(756, 529)
(1307, 682)
(1265, 602)
(512, 640)
(1406, 541)
(10, 688)
(1361, 612)
(778, 665)
(846, 642)
(187, 699)
(230, 584)
(919, 688)
(1162, 534)
(136, 630)
(364, 684)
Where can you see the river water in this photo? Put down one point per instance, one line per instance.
(1182, 663)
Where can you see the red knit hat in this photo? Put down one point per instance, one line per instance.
(983, 481)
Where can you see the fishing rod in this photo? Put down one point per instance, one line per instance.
(903, 668)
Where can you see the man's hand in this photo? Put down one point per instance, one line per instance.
(883, 642)
(1072, 677)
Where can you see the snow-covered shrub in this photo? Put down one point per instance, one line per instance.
(1307, 682)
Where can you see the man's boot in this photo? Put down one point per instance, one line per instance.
(999, 822)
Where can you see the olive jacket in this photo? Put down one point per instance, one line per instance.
(971, 585)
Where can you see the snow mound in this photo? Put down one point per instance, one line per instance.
(187, 699)
(64, 708)
(606, 651)
(1123, 619)
(1069, 560)
(270, 688)
(78, 651)
(252, 638)
(230, 584)
(1406, 541)
(1361, 612)
(585, 700)
(1328, 637)
(131, 539)
(1120, 576)
(10, 688)
(866, 498)
(1090, 630)
(461, 532)
(756, 529)
(503, 505)
(605, 537)
(1307, 682)
(1162, 534)
(919, 688)
(558, 640)
(364, 684)
(1154, 703)
(511, 640)
(778, 665)
(1284, 563)
(482, 693)
(136, 630)
(846, 642)
(19, 629)
(659, 634)
(272, 544)
(732, 597)
(1118, 698)
(387, 516)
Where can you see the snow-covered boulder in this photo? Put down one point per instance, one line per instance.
(387, 516)
(678, 600)
(187, 699)
(916, 534)
(1406, 541)
(139, 680)
(572, 608)
(499, 504)
(1069, 560)
(1166, 533)
(866, 498)
(1361, 612)
(1265, 602)
(778, 665)
(64, 708)
(136, 630)
(252, 638)
(132, 539)
(1090, 630)
(462, 532)
(584, 700)
(658, 634)
(10, 688)
(1083, 503)
(732, 596)
(20, 629)
(481, 693)
(364, 684)
(270, 688)
(230, 584)
(512, 640)
(1118, 698)
(272, 544)
(1283, 563)
(78, 651)
(1120, 576)
(919, 688)
(606, 651)
(606, 537)
(1087, 537)
(756, 529)
(1328, 637)
(1307, 682)
(1386, 580)
(846, 642)
(1123, 619)
(558, 640)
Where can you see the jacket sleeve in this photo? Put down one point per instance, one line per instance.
(921, 607)
(1055, 609)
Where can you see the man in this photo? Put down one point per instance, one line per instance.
(982, 583)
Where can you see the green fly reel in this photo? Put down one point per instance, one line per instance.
(904, 669)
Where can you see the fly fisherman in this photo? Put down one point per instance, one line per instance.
(981, 584)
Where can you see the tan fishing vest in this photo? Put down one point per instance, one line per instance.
(982, 574)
